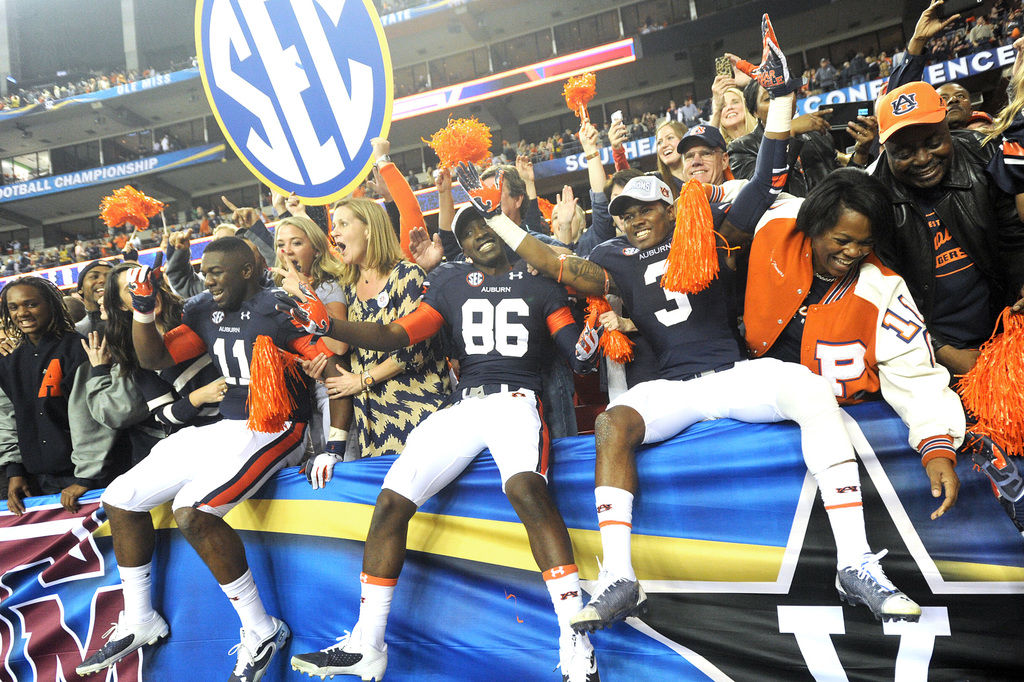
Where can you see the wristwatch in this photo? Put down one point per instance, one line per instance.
(367, 381)
(381, 160)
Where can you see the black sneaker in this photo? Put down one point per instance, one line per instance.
(615, 599)
(124, 639)
(867, 584)
(348, 656)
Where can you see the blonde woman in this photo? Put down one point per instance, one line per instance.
(1007, 165)
(670, 161)
(728, 112)
(301, 241)
(736, 120)
(391, 392)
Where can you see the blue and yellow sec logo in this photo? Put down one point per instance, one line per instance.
(299, 88)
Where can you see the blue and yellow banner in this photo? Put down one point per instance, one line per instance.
(730, 541)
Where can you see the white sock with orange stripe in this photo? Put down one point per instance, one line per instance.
(245, 597)
(615, 519)
(563, 583)
(374, 607)
(840, 491)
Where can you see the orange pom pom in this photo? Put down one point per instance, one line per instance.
(128, 205)
(578, 91)
(546, 208)
(615, 345)
(463, 139)
(692, 260)
(270, 402)
(992, 391)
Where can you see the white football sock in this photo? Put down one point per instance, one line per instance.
(563, 583)
(840, 491)
(374, 607)
(136, 583)
(246, 599)
(615, 519)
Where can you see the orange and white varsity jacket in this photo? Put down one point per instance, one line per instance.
(865, 336)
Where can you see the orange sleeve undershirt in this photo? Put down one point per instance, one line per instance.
(183, 343)
(310, 347)
(421, 323)
(619, 157)
(558, 319)
(408, 206)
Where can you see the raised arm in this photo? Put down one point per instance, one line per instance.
(578, 273)
(148, 342)
(771, 164)
(398, 186)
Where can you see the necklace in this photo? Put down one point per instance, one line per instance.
(824, 278)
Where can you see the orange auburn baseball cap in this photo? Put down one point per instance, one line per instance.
(911, 104)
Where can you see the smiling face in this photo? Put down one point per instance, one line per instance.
(666, 142)
(646, 223)
(705, 164)
(29, 311)
(93, 285)
(843, 246)
(733, 109)
(919, 155)
(351, 236)
(227, 277)
(296, 247)
(480, 244)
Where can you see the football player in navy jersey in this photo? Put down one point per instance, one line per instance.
(206, 470)
(705, 373)
(501, 320)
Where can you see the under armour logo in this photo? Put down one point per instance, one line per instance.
(904, 104)
(557, 570)
(848, 489)
(603, 508)
(571, 594)
(246, 314)
(515, 275)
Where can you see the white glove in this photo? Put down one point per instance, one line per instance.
(321, 469)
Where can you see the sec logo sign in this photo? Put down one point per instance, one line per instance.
(299, 88)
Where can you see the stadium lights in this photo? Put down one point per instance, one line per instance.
(552, 70)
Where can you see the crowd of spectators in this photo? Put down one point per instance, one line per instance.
(95, 81)
(966, 35)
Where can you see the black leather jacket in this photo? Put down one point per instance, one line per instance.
(812, 156)
(978, 215)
